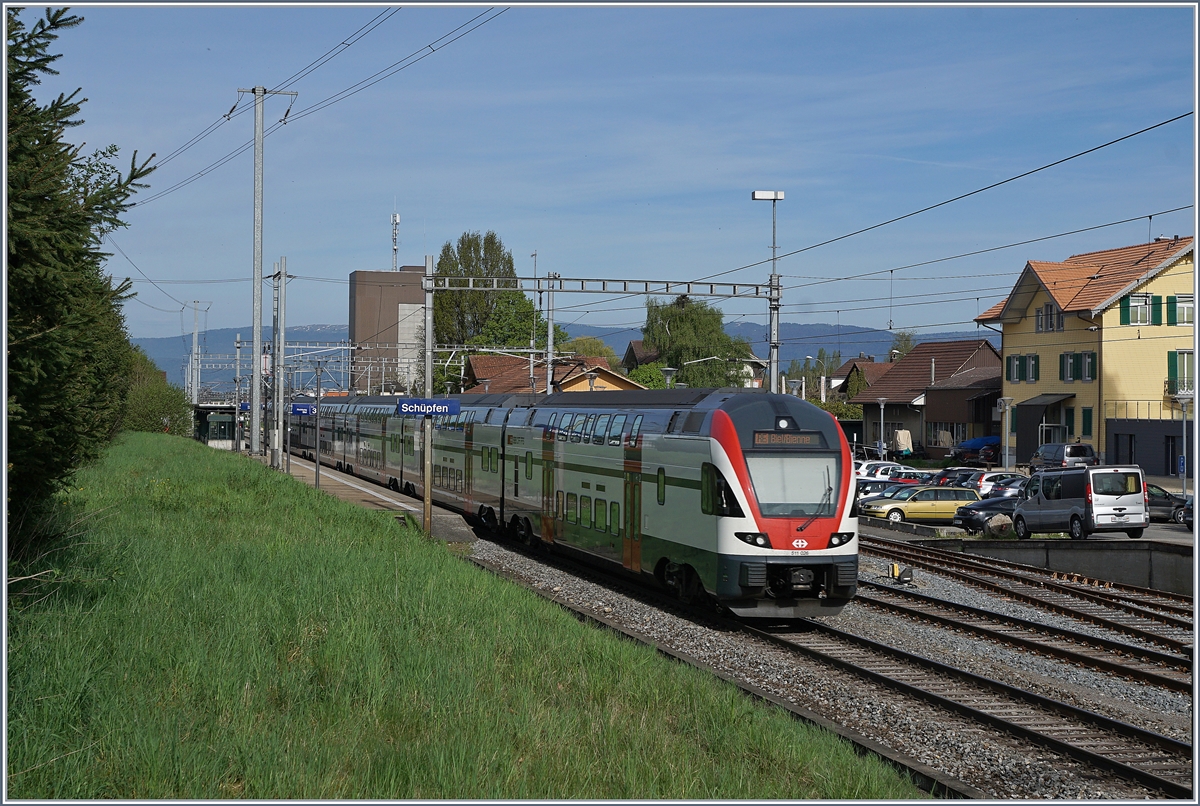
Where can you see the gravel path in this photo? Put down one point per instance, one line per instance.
(999, 765)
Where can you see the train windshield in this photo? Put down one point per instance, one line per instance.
(793, 486)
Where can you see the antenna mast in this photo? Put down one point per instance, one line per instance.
(395, 233)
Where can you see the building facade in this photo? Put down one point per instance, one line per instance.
(1099, 349)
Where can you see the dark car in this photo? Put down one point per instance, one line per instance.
(943, 477)
(875, 486)
(1164, 506)
(1062, 454)
(897, 492)
(1187, 514)
(989, 455)
(974, 516)
(1007, 489)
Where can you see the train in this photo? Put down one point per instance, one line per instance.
(735, 494)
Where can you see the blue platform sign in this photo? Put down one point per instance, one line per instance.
(244, 406)
(421, 407)
(1183, 465)
(303, 409)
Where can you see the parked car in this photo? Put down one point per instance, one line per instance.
(943, 477)
(874, 487)
(925, 504)
(973, 517)
(1164, 506)
(989, 455)
(1082, 500)
(969, 450)
(896, 492)
(984, 481)
(908, 476)
(1062, 454)
(1187, 514)
(1008, 489)
(870, 470)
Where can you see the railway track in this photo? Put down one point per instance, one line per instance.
(1036, 587)
(1151, 759)
(1173, 672)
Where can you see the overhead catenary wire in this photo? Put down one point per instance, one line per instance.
(408, 61)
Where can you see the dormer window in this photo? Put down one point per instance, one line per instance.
(1048, 318)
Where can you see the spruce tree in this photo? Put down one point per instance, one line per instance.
(68, 350)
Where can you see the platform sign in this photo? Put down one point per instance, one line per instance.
(1183, 465)
(422, 407)
(244, 406)
(303, 409)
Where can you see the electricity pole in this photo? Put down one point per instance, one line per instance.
(260, 94)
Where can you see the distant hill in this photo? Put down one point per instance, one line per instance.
(797, 341)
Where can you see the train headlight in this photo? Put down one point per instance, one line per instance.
(754, 539)
(840, 538)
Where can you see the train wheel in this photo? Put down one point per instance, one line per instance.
(684, 581)
(527, 535)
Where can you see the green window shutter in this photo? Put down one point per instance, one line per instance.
(1076, 365)
(1021, 368)
(1062, 366)
(1172, 316)
(1086, 425)
(1125, 309)
(1008, 366)
(1172, 367)
(1156, 310)
(1035, 368)
(1095, 366)
(1070, 421)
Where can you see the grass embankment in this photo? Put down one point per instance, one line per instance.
(223, 631)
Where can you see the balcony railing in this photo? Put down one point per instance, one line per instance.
(1179, 386)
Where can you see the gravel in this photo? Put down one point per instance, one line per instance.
(999, 765)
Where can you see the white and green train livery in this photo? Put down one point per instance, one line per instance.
(739, 494)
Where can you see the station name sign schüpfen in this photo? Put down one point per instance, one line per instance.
(417, 407)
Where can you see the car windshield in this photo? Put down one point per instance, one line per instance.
(791, 486)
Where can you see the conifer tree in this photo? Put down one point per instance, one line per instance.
(68, 351)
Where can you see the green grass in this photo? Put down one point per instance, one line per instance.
(218, 630)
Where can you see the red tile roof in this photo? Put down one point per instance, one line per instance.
(1092, 281)
(911, 375)
(505, 374)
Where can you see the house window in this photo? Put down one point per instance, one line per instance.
(1184, 309)
(1032, 371)
(1139, 309)
(945, 435)
(1067, 366)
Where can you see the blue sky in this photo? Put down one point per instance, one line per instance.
(624, 142)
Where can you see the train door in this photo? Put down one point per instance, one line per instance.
(631, 550)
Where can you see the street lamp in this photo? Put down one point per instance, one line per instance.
(823, 368)
(1006, 407)
(794, 385)
(1184, 398)
(773, 362)
(669, 374)
(882, 401)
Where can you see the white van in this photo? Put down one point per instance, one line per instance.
(1081, 500)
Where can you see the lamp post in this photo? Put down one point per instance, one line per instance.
(1006, 407)
(823, 368)
(773, 196)
(882, 402)
(669, 374)
(794, 385)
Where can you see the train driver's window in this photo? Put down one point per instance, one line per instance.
(564, 427)
(572, 508)
(585, 511)
(662, 486)
(614, 517)
(601, 433)
(614, 431)
(558, 505)
(633, 431)
(601, 511)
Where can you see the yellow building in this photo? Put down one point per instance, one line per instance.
(1099, 349)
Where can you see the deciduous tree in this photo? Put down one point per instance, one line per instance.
(690, 337)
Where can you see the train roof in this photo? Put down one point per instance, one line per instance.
(631, 398)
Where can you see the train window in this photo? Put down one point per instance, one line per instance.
(548, 432)
(585, 511)
(589, 428)
(558, 505)
(495, 460)
(662, 486)
(675, 423)
(564, 427)
(572, 508)
(614, 432)
(614, 517)
(601, 432)
(601, 511)
(528, 464)
(716, 496)
(577, 427)
(458, 480)
(633, 431)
